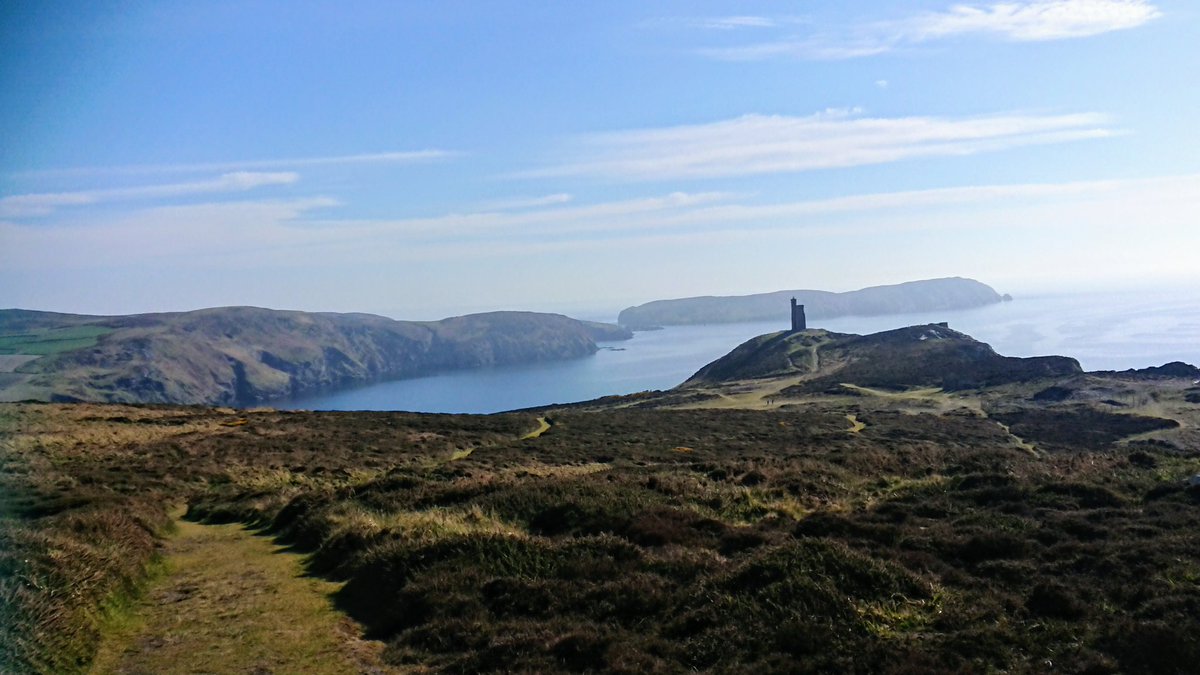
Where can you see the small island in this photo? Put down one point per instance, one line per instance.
(930, 295)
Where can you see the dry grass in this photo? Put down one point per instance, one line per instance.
(420, 526)
(643, 540)
(85, 490)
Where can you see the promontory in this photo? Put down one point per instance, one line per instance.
(246, 355)
(930, 295)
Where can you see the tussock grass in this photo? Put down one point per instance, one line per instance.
(63, 577)
(429, 525)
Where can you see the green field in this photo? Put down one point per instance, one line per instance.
(51, 341)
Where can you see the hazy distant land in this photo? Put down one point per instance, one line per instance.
(913, 296)
(245, 355)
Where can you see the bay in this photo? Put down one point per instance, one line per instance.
(1102, 331)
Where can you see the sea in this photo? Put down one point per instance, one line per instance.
(1103, 331)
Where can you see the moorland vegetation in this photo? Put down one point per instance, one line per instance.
(1045, 523)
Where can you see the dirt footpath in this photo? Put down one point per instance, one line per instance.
(235, 602)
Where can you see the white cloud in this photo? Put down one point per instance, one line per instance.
(406, 157)
(882, 84)
(1024, 21)
(757, 144)
(1027, 21)
(41, 204)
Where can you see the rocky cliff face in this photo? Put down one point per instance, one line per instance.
(915, 296)
(245, 355)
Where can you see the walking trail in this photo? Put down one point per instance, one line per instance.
(235, 602)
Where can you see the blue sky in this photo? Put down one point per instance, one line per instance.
(422, 159)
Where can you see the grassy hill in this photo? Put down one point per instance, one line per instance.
(242, 355)
(916, 356)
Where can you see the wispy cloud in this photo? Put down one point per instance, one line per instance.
(688, 215)
(718, 23)
(405, 157)
(1024, 21)
(41, 204)
(808, 48)
(288, 233)
(563, 220)
(758, 144)
(180, 233)
(735, 22)
(1162, 208)
(522, 203)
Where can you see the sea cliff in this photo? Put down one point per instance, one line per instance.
(246, 355)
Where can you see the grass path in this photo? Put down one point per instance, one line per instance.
(235, 602)
(543, 427)
(1020, 442)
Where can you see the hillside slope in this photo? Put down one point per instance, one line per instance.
(915, 296)
(244, 355)
(930, 355)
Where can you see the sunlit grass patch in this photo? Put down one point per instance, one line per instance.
(541, 470)
(888, 487)
(423, 526)
(900, 616)
(740, 505)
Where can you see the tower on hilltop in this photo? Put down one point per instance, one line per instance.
(798, 322)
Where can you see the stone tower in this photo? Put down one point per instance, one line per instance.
(798, 322)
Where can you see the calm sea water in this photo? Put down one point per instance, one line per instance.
(1109, 332)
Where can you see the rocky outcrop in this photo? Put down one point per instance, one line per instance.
(917, 356)
(1172, 370)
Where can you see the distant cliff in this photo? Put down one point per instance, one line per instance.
(915, 296)
(245, 355)
(917, 356)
